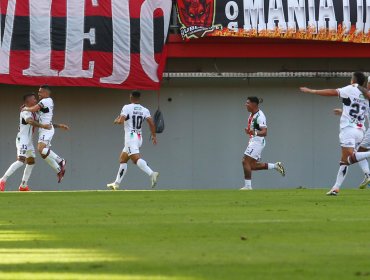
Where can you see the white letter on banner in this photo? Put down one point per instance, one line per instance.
(121, 43)
(75, 41)
(254, 15)
(40, 41)
(360, 16)
(312, 23)
(346, 16)
(235, 12)
(367, 24)
(276, 14)
(296, 8)
(147, 58)
(6, 40)
(326, 11)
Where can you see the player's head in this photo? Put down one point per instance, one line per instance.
(253, 103)
(30, 99)
(44, 91)
(358, 78)
(135, 96)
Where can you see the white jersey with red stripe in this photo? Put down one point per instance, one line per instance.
(135, 115)
(256, 121)
(355, 107)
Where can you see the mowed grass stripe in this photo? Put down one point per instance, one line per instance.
(264, 234)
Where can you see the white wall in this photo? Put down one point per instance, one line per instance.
(204, 140)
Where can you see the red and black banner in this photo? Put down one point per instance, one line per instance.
(327, 20)
(99, 43)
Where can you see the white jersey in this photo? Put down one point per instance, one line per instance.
(25, 130)
(355, 107)
(256, 122)
(46, 111)
(135, 115)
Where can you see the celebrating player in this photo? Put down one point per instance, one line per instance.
(257, 131)
(25, 149)
(133, 116)
(355, 107)
(45, 107)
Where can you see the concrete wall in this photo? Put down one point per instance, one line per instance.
(204, 138)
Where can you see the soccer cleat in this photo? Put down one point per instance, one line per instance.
(154, 179)
(24, 189)
(113, 186)
(246, 188)
(364, 183)
(333, 192)
(280, 168)
(2, 185)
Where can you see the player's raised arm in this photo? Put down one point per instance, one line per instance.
(364, 91)
(34, 123)
(152, 130)
(322, 92)
(32, 109)
(119, 120)
(61, 126)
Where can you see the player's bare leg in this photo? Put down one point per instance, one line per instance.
(278, 166)
(124, 158)
(136, 159)
(30, 163)
(247, 168)
(365, 168)
(55, 161)
(343, 170)
(12, 168)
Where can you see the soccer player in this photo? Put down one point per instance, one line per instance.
(45, 107)
(257, 131)
(132, 116)
(355, 107)
(25, 149)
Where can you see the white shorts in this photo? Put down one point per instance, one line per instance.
(255, 148)
(26, 150)
(350, 137)
(46, 135)
(133, 143)
(366, 141)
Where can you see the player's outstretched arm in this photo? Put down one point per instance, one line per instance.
(152, 130)
(322, 92)
(120, 119)
(61, 126)
(32, 109)
(34, 123)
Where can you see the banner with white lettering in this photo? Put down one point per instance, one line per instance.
(99, 43)
(327, 20)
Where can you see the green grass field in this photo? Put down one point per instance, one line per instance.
(281, 234)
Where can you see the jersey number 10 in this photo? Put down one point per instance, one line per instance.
(137, 122)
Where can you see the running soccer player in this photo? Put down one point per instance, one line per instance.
(352, 127)
(132, 116)
(45, 107)
(25, 149)
(257, 131)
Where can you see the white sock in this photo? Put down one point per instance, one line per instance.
(12, 169)
(26, 174)
(144, 166)
(55, 157)
(271, 166)
(342, 173)
(121, 173)
(362, 155)
(364, 166)
(248, 183)
(53, 164)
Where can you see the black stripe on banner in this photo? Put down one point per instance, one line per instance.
(103, 34)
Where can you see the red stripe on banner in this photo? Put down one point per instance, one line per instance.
(59, 9)
(135, 9)
(21, 8)
(103, 8)
(103, 68)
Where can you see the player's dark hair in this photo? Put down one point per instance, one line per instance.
(255, 99)
(46, 87)
(136, 94)
(26, 96)
(359, 78)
